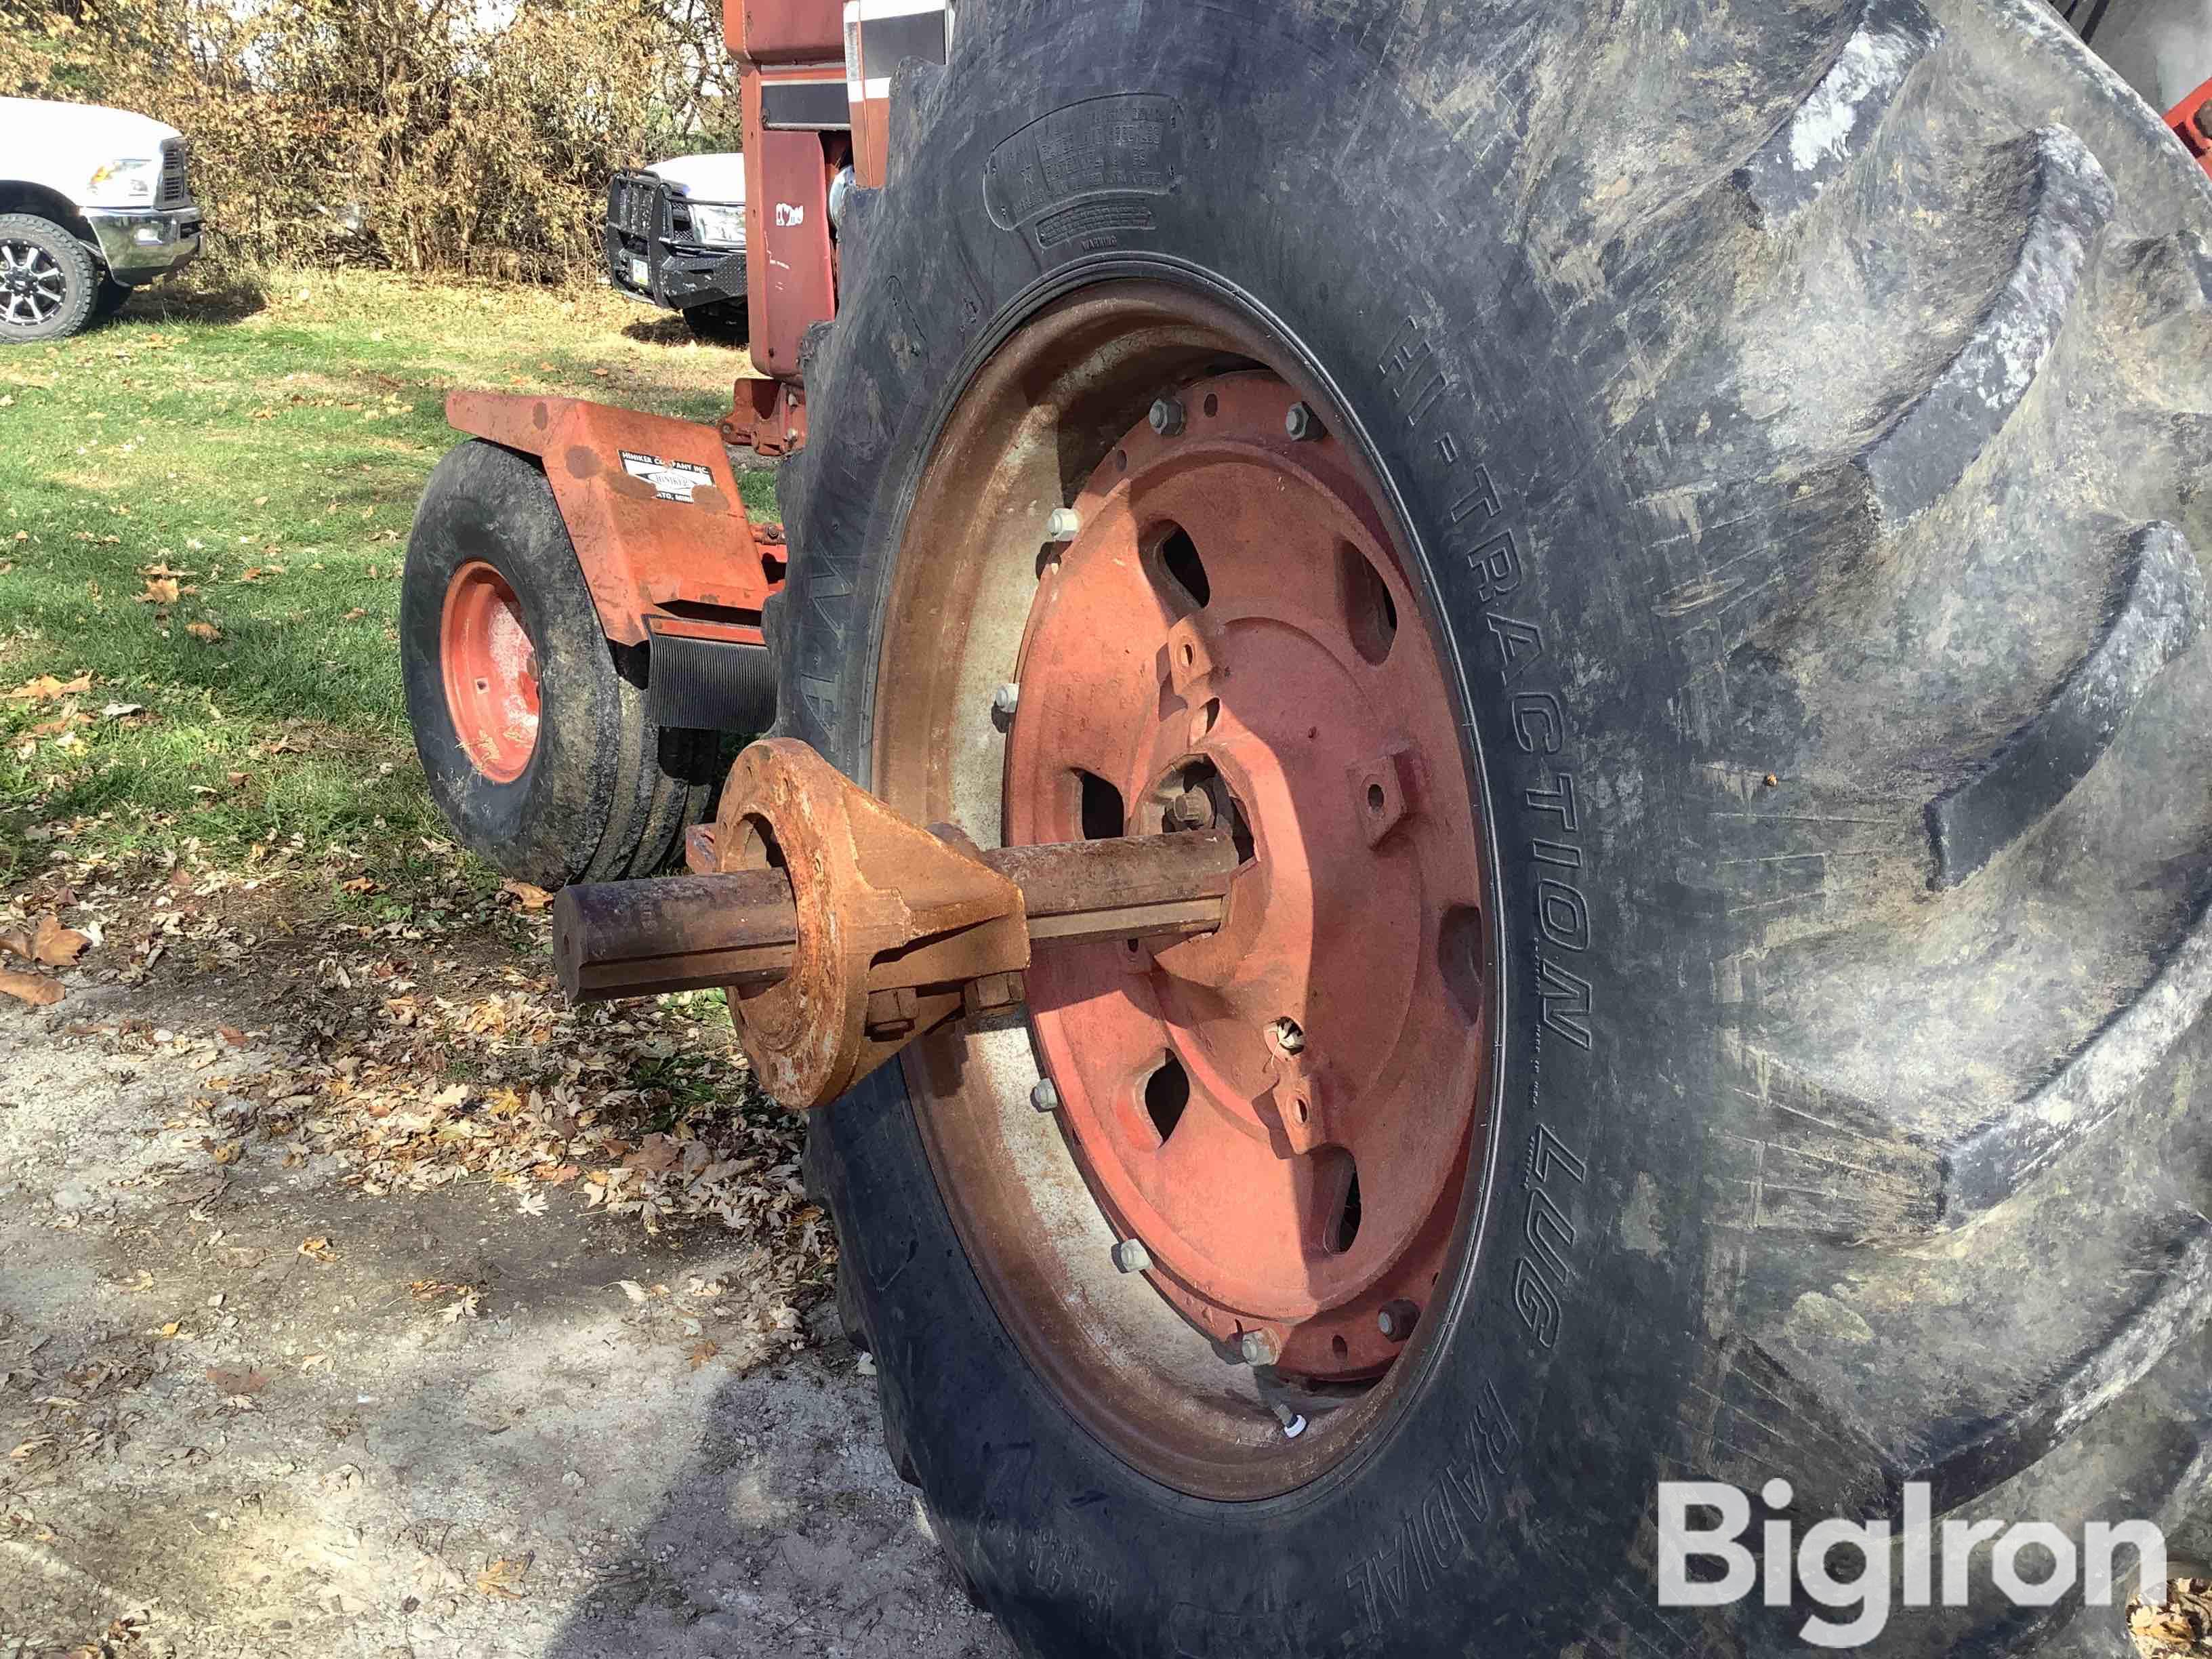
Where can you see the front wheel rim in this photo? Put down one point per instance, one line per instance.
(33, 284)
(1322, 1363)
(490, 670)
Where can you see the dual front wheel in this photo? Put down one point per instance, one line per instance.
(534, 731)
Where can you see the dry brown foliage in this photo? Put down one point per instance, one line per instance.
(423, 135)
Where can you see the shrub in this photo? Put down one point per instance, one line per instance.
(425, 135)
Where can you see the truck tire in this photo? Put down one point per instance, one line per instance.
(48, 281)
(721, 322)
(532, 726)
(1791, 424)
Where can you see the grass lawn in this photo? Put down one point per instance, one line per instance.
(203, 512)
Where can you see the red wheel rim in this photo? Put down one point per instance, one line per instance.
(491, 673)
(1280, 1111)
(1241, 1353)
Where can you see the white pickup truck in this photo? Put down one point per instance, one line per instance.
(93, 203)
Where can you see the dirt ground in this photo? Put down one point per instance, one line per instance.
(358, 1298)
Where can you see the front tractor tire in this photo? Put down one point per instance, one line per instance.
(533, 728)
(1732, 470)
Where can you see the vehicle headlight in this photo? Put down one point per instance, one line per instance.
(718, 224)
(131, 179)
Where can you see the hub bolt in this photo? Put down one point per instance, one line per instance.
(1044, 1097)
(1191, 809)
(1294, 1424)
(1167, 416)
(1131, 1256)
(1302, 424)
(1258, 1348)
(1005, 700)
(1290, 1035)
(1396, 1320)
(1063, 524)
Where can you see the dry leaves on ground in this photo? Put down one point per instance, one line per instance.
(2181, 1626)
(45, 688)
(34, 988)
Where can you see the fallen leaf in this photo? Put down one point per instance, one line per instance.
(317, 1249)
(501, 1577)
(45, 688)
(361, 884)
(55, 945)
(33, 989)
(160, 590)
(531, 898)
(631, 1288)
(705, 1351)
(231, 1383)
(231, 1034)
(203, 630)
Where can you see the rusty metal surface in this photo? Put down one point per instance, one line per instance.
(625, 938)
(769, 418)
(1221, 637)
(784, 31)
(865, 883)
(634, 939)
(790, 271)
(644, 545)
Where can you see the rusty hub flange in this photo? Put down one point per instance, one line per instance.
(866, 885)
(490, 671)
(1281, 1111)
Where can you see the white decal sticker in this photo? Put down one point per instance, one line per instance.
(790, 213)
(672, 480)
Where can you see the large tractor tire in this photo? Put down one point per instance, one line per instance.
(1715, 480)
(534, 729)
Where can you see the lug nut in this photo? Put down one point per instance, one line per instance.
(1258, 1348)
(1005, 700)
(1063, 524)
(1044, 1097)
(1302, 424)
(1131, 1256)
(1290, 1035)
(1293, 1423)
(1396, 1320)
(1166, 418)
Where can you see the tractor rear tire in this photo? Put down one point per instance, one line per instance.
(598, 791)
(1800, 418)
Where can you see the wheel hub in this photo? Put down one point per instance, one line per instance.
(33, 283)
(1280, 1111)
(490, 670)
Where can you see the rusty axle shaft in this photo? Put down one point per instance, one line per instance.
(634, 938)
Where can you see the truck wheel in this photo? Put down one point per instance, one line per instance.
(533, 728)
(48, 280)
(1669, 532)
(725, 322)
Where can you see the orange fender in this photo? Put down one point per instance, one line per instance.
(2191, 122)
(652, 508)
